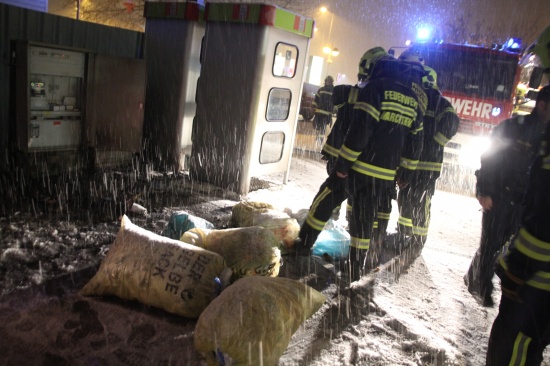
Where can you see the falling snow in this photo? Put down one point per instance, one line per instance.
(422, 316)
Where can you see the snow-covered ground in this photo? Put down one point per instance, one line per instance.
(424, 316)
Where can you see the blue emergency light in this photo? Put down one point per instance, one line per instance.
(423, 34)
(513, 44)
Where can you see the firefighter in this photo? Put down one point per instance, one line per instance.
(521, 330)
(385, 205)
(414, 201)
(385, 133)
(343, 98)
(333, 191)
(323, 108)
(500, 188)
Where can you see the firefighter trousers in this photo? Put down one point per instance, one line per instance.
(497, 226)
(414, 202)
(521, 330)
(368, 195)
(331, 194)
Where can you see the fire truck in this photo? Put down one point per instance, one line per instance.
(482, 84)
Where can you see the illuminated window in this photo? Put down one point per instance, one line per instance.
(278, 104)
(284, 62)
(271, 150)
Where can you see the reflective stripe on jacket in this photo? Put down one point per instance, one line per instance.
(385, 132)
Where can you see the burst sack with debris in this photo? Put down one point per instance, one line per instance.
(181, 221)
(250, 213)
(252, 320)
(248, 251)
(158, 271)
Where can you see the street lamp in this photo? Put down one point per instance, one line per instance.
(331, 52)
(330, 49)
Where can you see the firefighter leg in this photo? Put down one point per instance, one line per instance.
(361, 226)
(421, 221)
(521, 330)
(331, 194)
(406, 204)
(379, 229)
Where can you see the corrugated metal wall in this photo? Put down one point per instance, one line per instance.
(18, 23)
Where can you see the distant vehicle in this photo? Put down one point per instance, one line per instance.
(481, 85)
(535, 71)
(307, 109)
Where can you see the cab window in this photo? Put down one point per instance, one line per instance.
(271, 150)
(278, 104)
(284, 62)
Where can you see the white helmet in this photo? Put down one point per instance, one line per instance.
(429, 80)
(412, 56)
(368, 60)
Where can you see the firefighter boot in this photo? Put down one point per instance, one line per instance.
(372, 258)
(305, 240)
(356, 263)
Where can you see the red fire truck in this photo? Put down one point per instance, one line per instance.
(485, 86)
(481, 84)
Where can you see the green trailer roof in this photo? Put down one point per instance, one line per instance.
(262, 14)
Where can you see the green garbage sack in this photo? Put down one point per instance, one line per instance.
(253, 320)
(158, 271)
(248, 251)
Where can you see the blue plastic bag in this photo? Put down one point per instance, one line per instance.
(181, 221)
(333, 240)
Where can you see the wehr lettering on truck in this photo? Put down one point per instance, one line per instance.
(470, 108)
(480, 83)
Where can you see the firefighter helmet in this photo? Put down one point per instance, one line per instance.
(412, 56)
(368, 60)
(329, 80)
(429, 80)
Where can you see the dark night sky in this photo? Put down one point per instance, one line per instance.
(362, 24)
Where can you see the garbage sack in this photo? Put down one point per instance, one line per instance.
(158, 271)
(248, 251)
(334, 240)
(181, 221)
(253, 320)
(251, 213)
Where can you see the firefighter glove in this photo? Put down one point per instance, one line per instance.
(511, 286)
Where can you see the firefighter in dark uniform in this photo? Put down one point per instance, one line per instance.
(500, 188)
(323, 108)
(344, 98)
(521, 330)
(414, 200)
(385, 133)
(333, 191)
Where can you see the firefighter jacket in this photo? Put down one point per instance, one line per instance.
(504, 167)
(440, 125)
(386, 128)
(343, 98)
(527, 257)
(323, 104)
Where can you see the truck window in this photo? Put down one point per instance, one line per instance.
(284, 60)
(476, 74)
(278, 104)
(271, 150)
